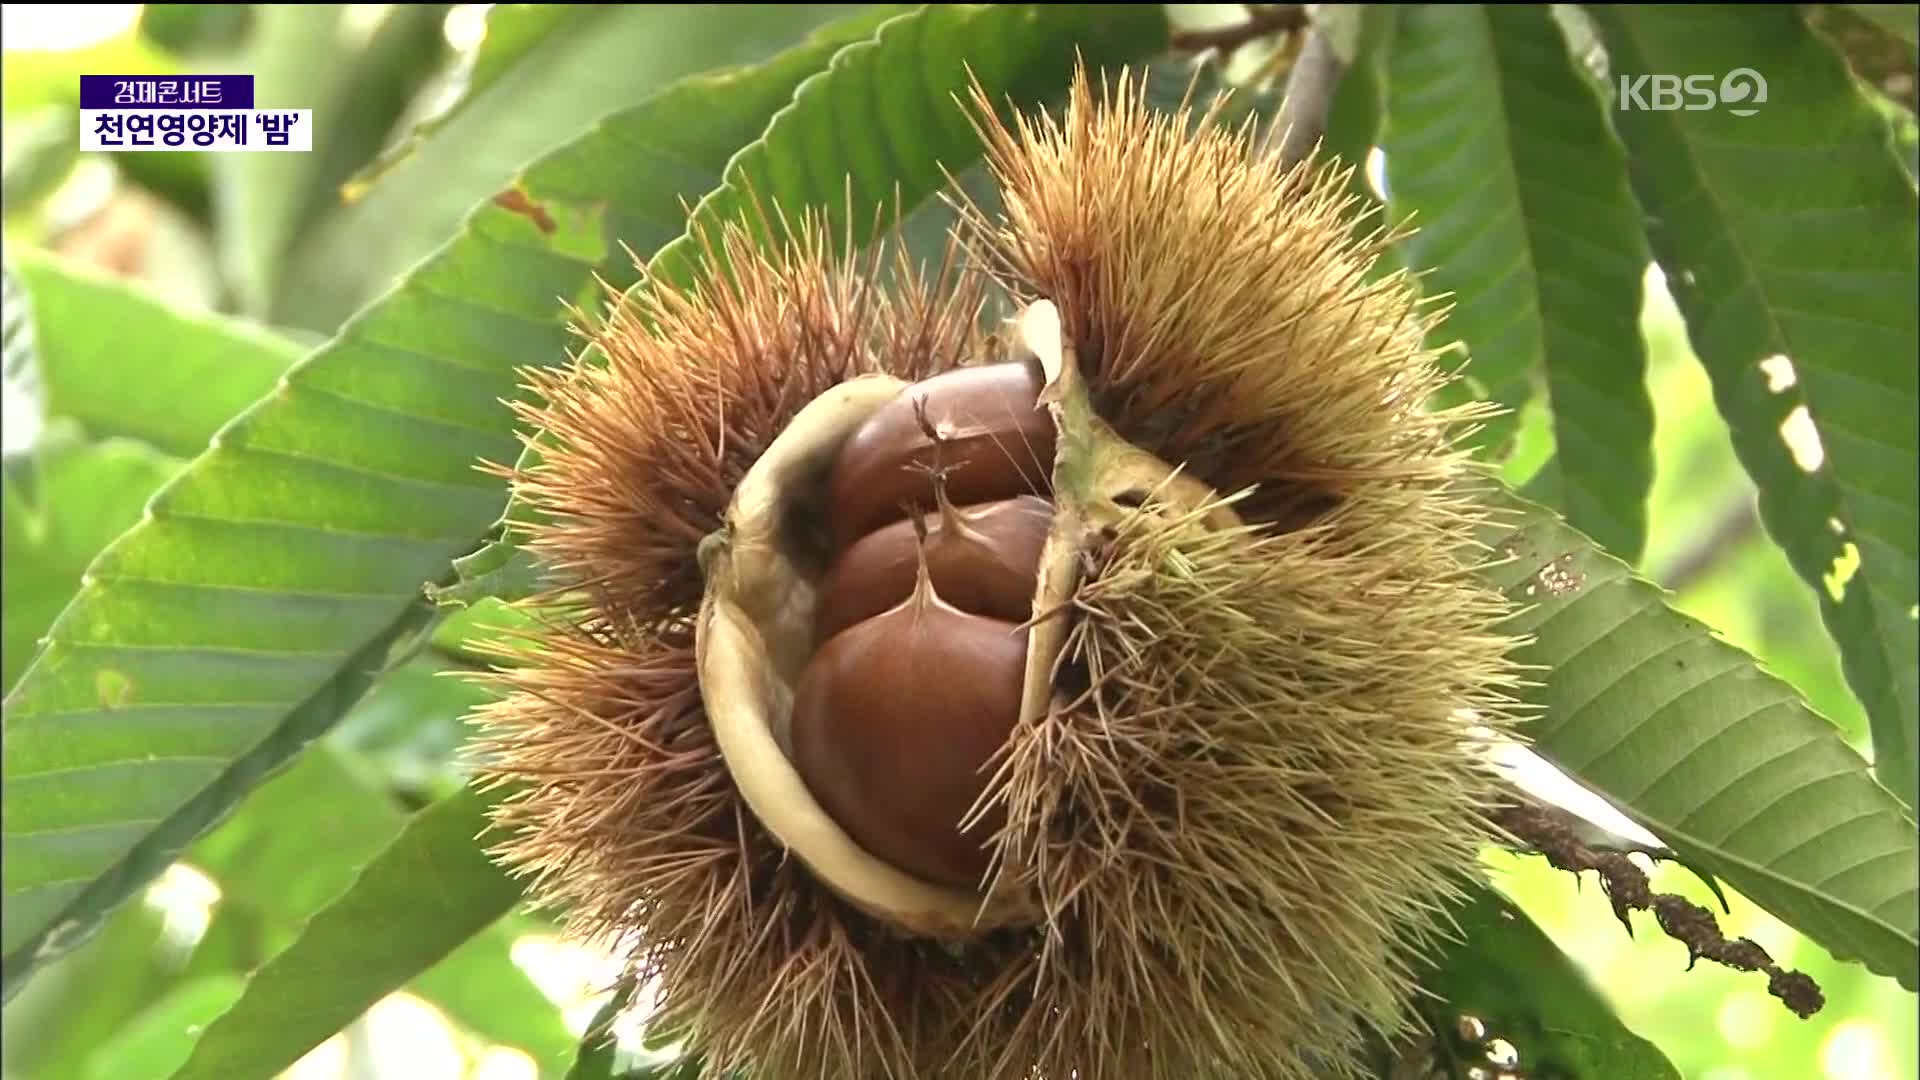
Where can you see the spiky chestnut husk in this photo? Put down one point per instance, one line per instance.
(622, 811)
(1246, 782)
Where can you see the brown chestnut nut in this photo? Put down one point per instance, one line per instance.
(894, 725)
(984, 560)
(995, 442)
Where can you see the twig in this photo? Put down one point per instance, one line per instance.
(1549, 831)
(1262, 20)
(1738, 521)
(1302, 122)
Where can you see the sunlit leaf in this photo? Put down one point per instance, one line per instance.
(428, 892)
(1788, 239)
(272, 873)
(159, 1039)
(552, 75)
(191, 372)
(410, 726)
(195, 28)
(1505, 1000)
(1691, 738)
(479, 987)
(56, 1024)
(82, 496)
(33, 78)
(511, 31)
(598, 1049)
(1497, 146)
(262, 856)
(356, 82)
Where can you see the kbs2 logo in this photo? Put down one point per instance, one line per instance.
(1741, 91)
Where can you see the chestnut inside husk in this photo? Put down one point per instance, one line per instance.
(1243, 765)
(862, 699)
(918, 679)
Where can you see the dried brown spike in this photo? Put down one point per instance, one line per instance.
(690, 389)
(1261, 770)
(1219, 303)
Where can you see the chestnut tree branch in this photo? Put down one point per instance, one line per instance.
(1302, 121)
(1263, 20)
(1733, 526)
